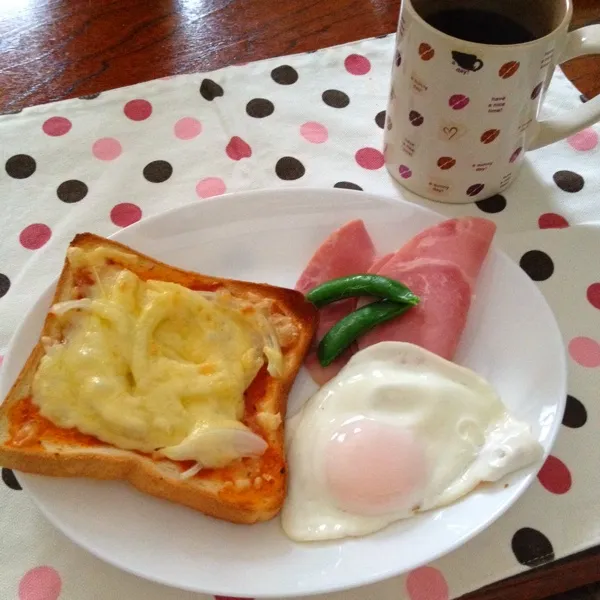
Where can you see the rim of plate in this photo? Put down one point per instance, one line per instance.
(518, 488)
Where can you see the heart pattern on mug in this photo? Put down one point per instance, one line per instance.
(450, 131)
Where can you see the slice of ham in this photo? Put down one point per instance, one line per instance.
(440, 317)
(379, 262)
(464, 241)
(440, 265)
(347, 251)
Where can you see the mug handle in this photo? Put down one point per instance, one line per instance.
(579, 43)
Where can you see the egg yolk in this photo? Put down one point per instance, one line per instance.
(374, 468)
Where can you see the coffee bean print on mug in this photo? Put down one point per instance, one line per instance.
(415, 118)
(508, 69)
(404, 171)
(487, 137)
(458, 101)
(536, 90)
(426, 52)
(515, 154)
(475, 189)
(446, 162)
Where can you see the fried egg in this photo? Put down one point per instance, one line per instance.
(398, 431)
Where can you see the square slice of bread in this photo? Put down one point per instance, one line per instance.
(247, 490)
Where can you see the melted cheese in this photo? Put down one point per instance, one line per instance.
(152, 365)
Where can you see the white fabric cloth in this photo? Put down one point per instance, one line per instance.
(108, 142)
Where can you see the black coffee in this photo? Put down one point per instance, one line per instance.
(479, 26)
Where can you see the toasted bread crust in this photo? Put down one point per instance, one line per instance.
(217, 493)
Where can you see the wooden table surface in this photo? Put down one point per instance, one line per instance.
(56, 49)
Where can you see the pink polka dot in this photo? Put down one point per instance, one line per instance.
(552, 221)
(593, 295)
(555, 476)
(583, 140)
(40, 583)
(369, 158)
(237, 148)
(230, 598)
(585, 351)
(107, 148)
(125, 214)
(356, 64)
(1, 359)
(313, 132)
(35, 236)
(209, 187)
(187, 128)
(138, 110)
(426, 583)
(56, 126)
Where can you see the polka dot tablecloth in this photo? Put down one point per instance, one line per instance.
(103, 162)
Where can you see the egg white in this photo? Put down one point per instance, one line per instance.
(466, 432)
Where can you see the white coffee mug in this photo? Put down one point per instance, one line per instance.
(462, 114)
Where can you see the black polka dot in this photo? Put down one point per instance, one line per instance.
(348, 185)
(335, 98)
(493, 204)
(531, 547)
(20, 166)
(380, 119)
(10, 480)
(289, 168)
(71, 191)
(210, 89)
(398, 58)
(260, 108)
(4, 284)
(575, 414)
(568, 181)
(537, 264)
(583, 97)
(89, 96)
(158, 171)
(284, 75)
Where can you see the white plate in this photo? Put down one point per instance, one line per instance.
(511, 338)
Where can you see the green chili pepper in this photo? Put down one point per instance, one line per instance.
(357, 323)
(361, 285)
